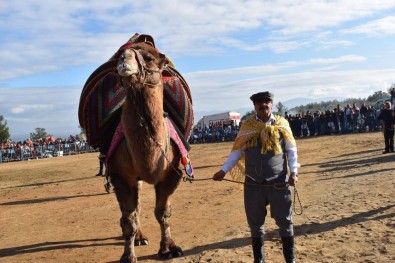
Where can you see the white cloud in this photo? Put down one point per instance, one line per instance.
(24, 108)
(384, 26)
(222, 94)
(224, 74)
(52, 108)
(62, 33)
(335, 43)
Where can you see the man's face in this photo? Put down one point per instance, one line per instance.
(263, 108)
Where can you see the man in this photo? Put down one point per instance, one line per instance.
(260, 154)
(386, 118)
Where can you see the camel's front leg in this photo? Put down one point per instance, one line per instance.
(128, 202)
(168, 248)
(129, 225)
(140, 238)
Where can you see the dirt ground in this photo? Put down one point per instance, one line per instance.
(56, 209)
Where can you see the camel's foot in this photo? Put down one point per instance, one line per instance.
(173, 252)
(140, 239)
(128, 259)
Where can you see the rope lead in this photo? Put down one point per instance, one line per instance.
(276, 186)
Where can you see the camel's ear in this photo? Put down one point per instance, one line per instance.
(170, 63)
(143, 38)
(163, 60)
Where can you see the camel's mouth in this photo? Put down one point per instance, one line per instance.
(125, 69)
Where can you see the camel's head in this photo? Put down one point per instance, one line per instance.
(141, 64)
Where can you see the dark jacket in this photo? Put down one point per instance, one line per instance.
(387, 117)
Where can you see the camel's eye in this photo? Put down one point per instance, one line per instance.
(148, 58)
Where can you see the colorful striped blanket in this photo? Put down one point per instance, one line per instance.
(102, 98)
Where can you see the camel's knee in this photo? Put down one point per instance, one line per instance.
(129, 225)
(163, 214)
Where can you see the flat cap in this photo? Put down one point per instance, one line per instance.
(262, 96)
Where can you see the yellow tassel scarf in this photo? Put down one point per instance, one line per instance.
(251, 130)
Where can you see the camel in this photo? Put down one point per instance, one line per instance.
(146, 152)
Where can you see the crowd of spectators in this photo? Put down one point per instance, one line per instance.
(41, 148)
(340, 120)
(220, 131)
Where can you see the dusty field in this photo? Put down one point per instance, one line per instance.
(56, 210)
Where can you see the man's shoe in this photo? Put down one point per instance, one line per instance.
(288, 249)
(258, 249)
(384, 152)
(99, 174)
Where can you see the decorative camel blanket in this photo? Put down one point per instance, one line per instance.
(172, 133)
(102, 98)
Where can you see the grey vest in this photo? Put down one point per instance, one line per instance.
(267, 168)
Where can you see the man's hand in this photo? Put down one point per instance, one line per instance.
(293, 179)
(218, 176)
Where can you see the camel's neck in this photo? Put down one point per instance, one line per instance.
(142, 119)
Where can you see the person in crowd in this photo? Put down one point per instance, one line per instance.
(323, 123)
(298, 125)
(392, 93)
(107, 185)
(20, 150)
(363, 121)
(386, 118)
(371, 118)
(329, 124)
(355, 117)
(335, 119)
(101, 164)
(316, 121)
(363, 110)
(262, 152)
(305, 127)
(340, 118)
(347, 118)
(1, 152)
(310, 123)
(286, 116)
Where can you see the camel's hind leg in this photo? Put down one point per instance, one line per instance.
(163, 191)
(130, 223)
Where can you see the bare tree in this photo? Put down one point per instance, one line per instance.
(38, 134)
(281, 109)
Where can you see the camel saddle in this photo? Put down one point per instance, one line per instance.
(102, 98)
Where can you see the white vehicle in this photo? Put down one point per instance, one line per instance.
(228, 117)
(378, 105)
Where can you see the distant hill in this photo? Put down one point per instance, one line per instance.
(304, 101)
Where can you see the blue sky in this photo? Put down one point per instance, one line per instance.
(226, 50)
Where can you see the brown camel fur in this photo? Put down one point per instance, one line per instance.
(146, 153)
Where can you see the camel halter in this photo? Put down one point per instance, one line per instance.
(144, 71)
